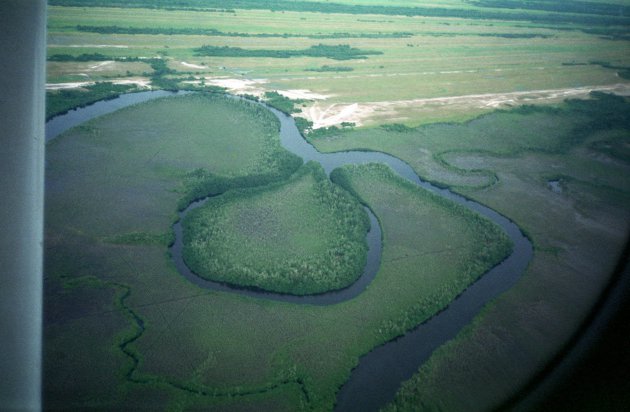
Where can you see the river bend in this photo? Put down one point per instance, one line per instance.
(374, 382)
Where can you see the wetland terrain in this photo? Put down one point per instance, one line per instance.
(387, 169)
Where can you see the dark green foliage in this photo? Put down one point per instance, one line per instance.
(605, 112)
(564, 6)
(623, 72)
(515, 35)
(61, 101)
(397, 127)
(306, 129)
(301, 236)
(151, 30)
(324, 132)
(339, 52)
(251, 97)
(303, 125)
(96, 57)
(618, 147)
(214, 32)
(85, 57)
(501, 35)
(159, 67)
(158, 77)
(566, 16)
(493, 244)
(611, 33)
(282, 103)
(326, 68)
(201, 183)
(346, 35)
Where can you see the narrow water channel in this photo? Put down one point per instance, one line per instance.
(373, 383)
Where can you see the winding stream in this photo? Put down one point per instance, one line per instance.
(379, 374)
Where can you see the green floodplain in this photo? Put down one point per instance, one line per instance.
(243, 345)
(303, 236)
(124, 330)
(124, 326)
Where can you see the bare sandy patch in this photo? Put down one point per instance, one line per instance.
(303, 94)
(334, 114)
(139, 81)
(91, 46)
(100, 66)
(69, 85)
(193, 66)
(326, 115)
(239, 86)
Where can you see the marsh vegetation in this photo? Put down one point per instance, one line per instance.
(123, 329)
(302, 236)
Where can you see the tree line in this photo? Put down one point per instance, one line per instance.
(566, 16)
(338, 52)
(170, 31)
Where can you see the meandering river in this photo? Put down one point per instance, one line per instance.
(373, 383)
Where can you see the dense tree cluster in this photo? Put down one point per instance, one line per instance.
(170, 31)
(557, 12)
(338, 52)
(219, 248)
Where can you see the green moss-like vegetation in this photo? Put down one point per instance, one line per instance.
(302, 236)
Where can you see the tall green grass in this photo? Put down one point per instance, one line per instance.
(302, 236)
(491, 243)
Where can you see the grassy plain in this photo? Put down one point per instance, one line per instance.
(441, 56)
(186, 346)
(131, 157)
(302, 236)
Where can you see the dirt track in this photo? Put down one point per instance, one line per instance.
(325, 115)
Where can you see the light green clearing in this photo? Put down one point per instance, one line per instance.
(196, 340)
(302, 236)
